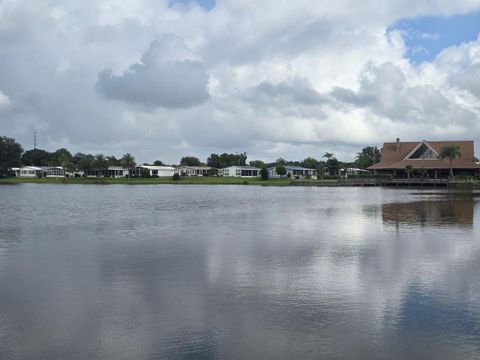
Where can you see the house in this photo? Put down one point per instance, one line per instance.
(36, 171)
(294, 172)
(423, 157)
(111, 171)
(154, 170)
(192, 170)
(239, 171)
(353, 172)
(116, 171)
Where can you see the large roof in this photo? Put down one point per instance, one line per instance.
(397, 155)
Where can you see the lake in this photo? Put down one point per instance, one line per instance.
(238, 272)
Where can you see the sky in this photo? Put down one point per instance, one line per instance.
(163, 79)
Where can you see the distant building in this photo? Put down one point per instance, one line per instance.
(116, 171)
(155, 170)
(353, 172)
(294, 172)
(239, 171)
(35, 171)
(424, 156)
(192, 170)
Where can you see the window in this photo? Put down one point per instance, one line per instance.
(423, 153)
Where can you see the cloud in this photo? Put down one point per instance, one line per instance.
(293, 91)
(268, 77)
(469, 79)
(159, 80)
(5, 102)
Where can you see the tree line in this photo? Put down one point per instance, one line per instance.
(13, 155)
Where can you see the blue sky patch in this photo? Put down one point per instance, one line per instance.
(206, 4)
(427, 36)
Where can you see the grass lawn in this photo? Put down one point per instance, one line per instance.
(163, 180)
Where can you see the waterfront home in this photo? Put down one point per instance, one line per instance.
(294, 172)
(239, 171)
(111, 171)
(116, 171)
(423, 157)
(154, 170)
(35, 171)
(192, 170)
(353, 172)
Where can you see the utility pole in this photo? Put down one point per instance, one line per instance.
(34, 140)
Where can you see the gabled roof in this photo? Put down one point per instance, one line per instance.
(396, 156)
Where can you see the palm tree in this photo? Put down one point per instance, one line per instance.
(128, 161)
(100, 163)
(328, 156)
(451, 152)
(408, 170)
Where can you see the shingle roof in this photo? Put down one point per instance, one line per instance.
(391, 158)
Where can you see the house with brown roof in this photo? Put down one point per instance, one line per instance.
(424, 158)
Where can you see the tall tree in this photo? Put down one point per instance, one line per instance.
(328, 156)
(128, 161)
(190, 161)
(36, 157)
(225, 160)
(10, 154)
(100, 164)
(257, 163)
(310, 163)
(450, 152)
(281, 161)
(158, 163)
(60, 157)
(368, 156)
(84, 162)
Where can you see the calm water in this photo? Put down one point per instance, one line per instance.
(233, 272)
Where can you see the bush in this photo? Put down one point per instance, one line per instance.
(176, 177)
(264, 174)
(145, 173)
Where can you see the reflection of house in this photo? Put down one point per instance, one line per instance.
(423, 157)
(449, 211)
(240, 171)
(35, 171)
(192, 170)
(296, 172)
(155, 170)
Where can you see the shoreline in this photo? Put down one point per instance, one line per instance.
(214, 181)
(155, 181)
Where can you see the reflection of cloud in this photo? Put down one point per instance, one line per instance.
(222, 272)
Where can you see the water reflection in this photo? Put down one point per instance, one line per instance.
(237, 272)
(446, 211)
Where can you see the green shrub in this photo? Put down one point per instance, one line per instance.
(264, 174)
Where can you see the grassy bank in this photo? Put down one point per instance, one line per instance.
(161, 180)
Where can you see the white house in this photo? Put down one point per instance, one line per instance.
(117, 171)
(294, 172)
(192, 170)
(240, 171)
(354, 171)
(155, 170)
(45, 171)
